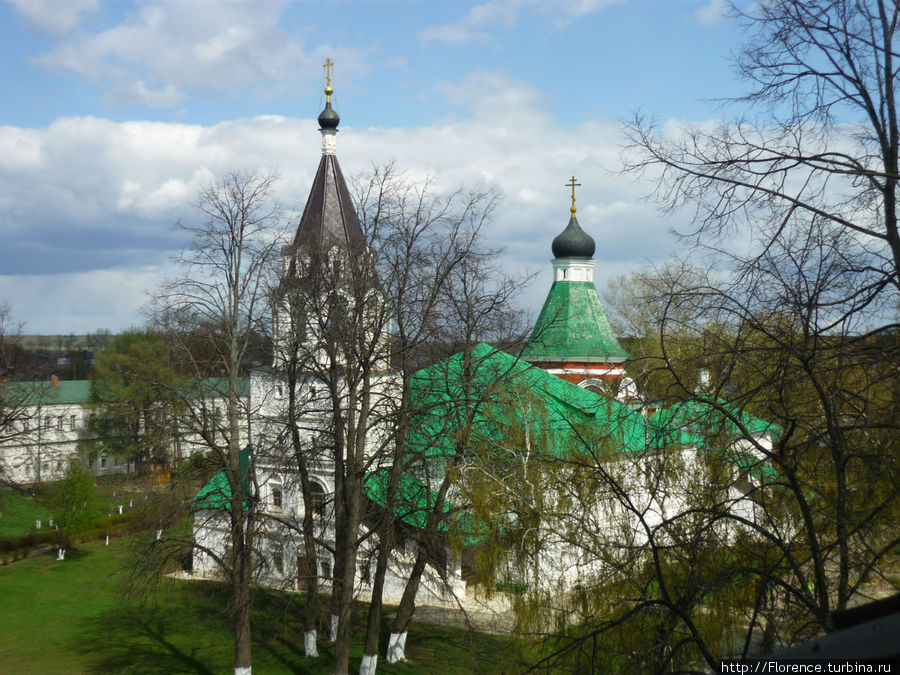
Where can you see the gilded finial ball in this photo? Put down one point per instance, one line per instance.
(329, 90)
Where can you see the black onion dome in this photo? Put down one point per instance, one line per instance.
(573, 242)
(329, 119)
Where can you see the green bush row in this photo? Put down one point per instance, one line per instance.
(117, 523)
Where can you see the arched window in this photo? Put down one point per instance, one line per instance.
(278, 558)
(317, 498)
(276, 498)
(595, 385)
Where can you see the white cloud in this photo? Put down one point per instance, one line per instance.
(712, 12)
(137, 92)
(494, 93)
(168, 48)
(82, 302)
(87, 204)
(54, 16)
(505, 13)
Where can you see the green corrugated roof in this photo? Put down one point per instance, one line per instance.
(214, 387)
(506, 393)
(696, 420)
(413, 501)
(43, 393)
(573, 326)
(216, 494)
(79, 391)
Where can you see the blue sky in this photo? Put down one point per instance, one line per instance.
(115, 113)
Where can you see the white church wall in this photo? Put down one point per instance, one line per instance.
(576, 542)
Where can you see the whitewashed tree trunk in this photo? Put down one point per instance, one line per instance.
(332, 636)
(396, 650)
(368, 665)
(309, 644)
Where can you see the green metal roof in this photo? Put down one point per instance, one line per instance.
(490, 394)
(216, 494)
(214, 387)
(79, 391)
(43, 393)
(413, 501)
(710, 428)
(573, 326)
(693, 421)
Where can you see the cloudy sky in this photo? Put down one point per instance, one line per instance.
(115, 113)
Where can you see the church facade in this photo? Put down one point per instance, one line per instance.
(572, 369)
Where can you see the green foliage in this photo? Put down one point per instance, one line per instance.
(74, 502)
(134, 399)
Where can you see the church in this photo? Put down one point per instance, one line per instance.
(564, 390)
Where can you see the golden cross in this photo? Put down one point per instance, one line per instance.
(328, 66)
(573, 185)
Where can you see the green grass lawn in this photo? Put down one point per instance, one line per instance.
(69, 617)
(18, 511)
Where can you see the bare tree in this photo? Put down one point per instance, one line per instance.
(822, 150)
(359, 326)
(808, 283)
(213, 312)
(446, 294)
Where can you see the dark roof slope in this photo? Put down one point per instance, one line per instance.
(329, 218)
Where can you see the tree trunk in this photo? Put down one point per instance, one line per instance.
(345, 550)
(385, 546)
(397, 643)
(311, 611)
(373, 623)
(242, 609)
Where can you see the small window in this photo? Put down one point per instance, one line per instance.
(103, 462)
(59, 422)
(278, 560)
(48, 423)
(276, 499)
(326, 569)
(279, 391)
(25, 425)
(59, 467)
(72, 423)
